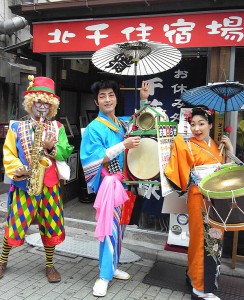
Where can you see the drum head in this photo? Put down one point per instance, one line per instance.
(143, 162)
(222, 183)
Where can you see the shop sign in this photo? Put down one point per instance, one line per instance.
(218, 126)
(180, 31)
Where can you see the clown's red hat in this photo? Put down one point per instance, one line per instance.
(41, 85)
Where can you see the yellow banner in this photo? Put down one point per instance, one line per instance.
(218, 126)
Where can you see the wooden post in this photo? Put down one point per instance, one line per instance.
(234, 249)
(219, 71)
(219, 67)
(235, 256)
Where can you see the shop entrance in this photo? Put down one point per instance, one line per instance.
(77, 109)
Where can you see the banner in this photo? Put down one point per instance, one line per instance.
(218, 126)
(166, 132)
(167, 87)
(184, 127)
(213, 29)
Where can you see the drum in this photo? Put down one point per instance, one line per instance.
(143, 162)
(146, 119)
(223, 193)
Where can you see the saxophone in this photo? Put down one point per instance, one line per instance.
(38, 163)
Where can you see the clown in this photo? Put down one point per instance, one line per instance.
(41, 103)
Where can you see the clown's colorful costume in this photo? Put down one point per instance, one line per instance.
(25, 143)
(47, 207)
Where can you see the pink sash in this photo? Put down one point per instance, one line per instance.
(111, 194)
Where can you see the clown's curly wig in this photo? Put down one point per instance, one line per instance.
(30, 98)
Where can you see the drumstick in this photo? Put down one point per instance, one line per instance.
(227, 131)
(234, 158)
(129, 89)
(221, 149)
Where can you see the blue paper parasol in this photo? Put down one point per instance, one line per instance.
(220, 96)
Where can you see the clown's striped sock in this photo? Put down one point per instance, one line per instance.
(5, 251)
(49, 255)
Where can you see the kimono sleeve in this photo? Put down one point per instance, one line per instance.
(92, 152)
(179, 166)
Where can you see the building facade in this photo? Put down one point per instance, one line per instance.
(65, 34)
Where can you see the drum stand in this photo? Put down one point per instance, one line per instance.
(235, 256)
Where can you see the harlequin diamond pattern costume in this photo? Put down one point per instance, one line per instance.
(47, 207)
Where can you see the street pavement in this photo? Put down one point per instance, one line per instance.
(25, 276)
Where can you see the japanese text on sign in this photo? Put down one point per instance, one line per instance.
(166, 133)
(191, 30)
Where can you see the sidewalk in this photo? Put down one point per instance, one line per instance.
(25, 276)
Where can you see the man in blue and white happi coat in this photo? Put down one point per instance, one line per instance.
(101, 154)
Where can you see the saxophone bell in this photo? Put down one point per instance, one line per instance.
(45, 162)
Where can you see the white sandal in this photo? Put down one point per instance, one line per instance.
(100, 288)
(208, 296)
(119, 274)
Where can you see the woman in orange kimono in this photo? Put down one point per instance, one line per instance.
(205, 245)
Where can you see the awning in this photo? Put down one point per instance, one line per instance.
(19, 46)
(9, 71)
(24, 49)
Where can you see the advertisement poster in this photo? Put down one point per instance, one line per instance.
(166, 132)
(184, 126)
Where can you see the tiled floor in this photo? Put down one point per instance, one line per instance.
(3, 187)
(3, 202)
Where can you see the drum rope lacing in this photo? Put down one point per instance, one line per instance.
(233, 201)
